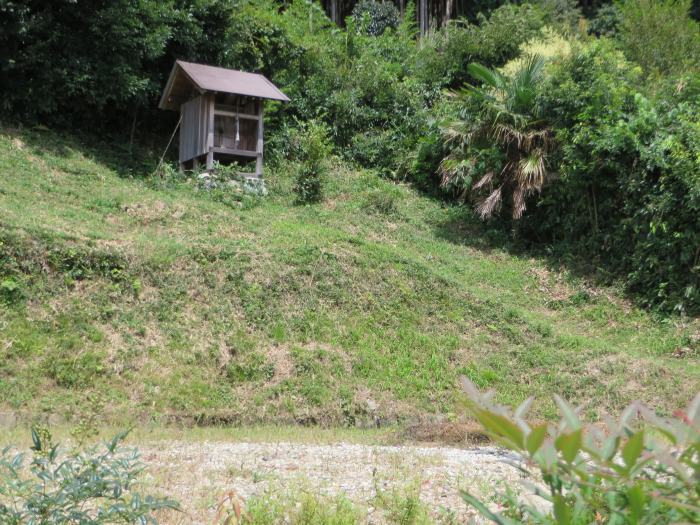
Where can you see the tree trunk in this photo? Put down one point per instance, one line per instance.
(133, 131)
(423, 16)
(449, 6)
(334, 11)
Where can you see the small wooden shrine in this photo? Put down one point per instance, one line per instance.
(221, 113)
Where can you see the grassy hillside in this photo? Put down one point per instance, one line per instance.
(170, 302)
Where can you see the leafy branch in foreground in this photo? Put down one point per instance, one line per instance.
(91, 487)
(639, 469)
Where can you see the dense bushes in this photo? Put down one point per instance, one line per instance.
(660, 35)
(375, 17)
(47, 71)
(607, 21)
(103, 65)
(640, 469)
(628, 186)
(443, 57)
(622, 195)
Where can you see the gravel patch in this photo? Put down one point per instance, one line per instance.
(199, 474)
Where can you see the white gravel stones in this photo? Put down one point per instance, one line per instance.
(197, 473)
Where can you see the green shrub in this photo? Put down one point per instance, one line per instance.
(90, 487)
(660, 35)
(383, 200)
(606, 21)
(10, 290)
(293, 509)
(375, 17)
(309, 149)
(402, 507)
(562, 14)
(444, 55)
(627, 192)
(421, 165)
(81, 263)
(639, 469)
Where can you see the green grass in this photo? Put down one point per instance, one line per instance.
(145, 435)
(174, 304)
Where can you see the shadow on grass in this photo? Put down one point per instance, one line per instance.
(462, 227)
(137, 160)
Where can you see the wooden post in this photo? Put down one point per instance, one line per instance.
(181, 147)
(259, 149)
(210, 130)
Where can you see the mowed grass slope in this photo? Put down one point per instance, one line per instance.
(171, 302)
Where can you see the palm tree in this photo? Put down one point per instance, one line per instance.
(503, 113)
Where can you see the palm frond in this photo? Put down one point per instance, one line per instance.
(530, 72)
(490, 77)
(531, 172)
(522, 89)
(457, 131)
(483, 181)
(502, 112)
(505, 134)
(490, 204)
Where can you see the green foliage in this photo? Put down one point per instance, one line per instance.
(606, 21)
(382, 200)
(402, 507)
(90, 487)
(47, 71)
(48, 74)
(71, 371)
(639, 469)
(10, 290)
(89, 417)
(628, 187)
(375, 17)
(562, 14)
(309, 149)
(250, 367)
(304, 509)
(621, 160)
(444, 55)
(660, 35)
(499, 145)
